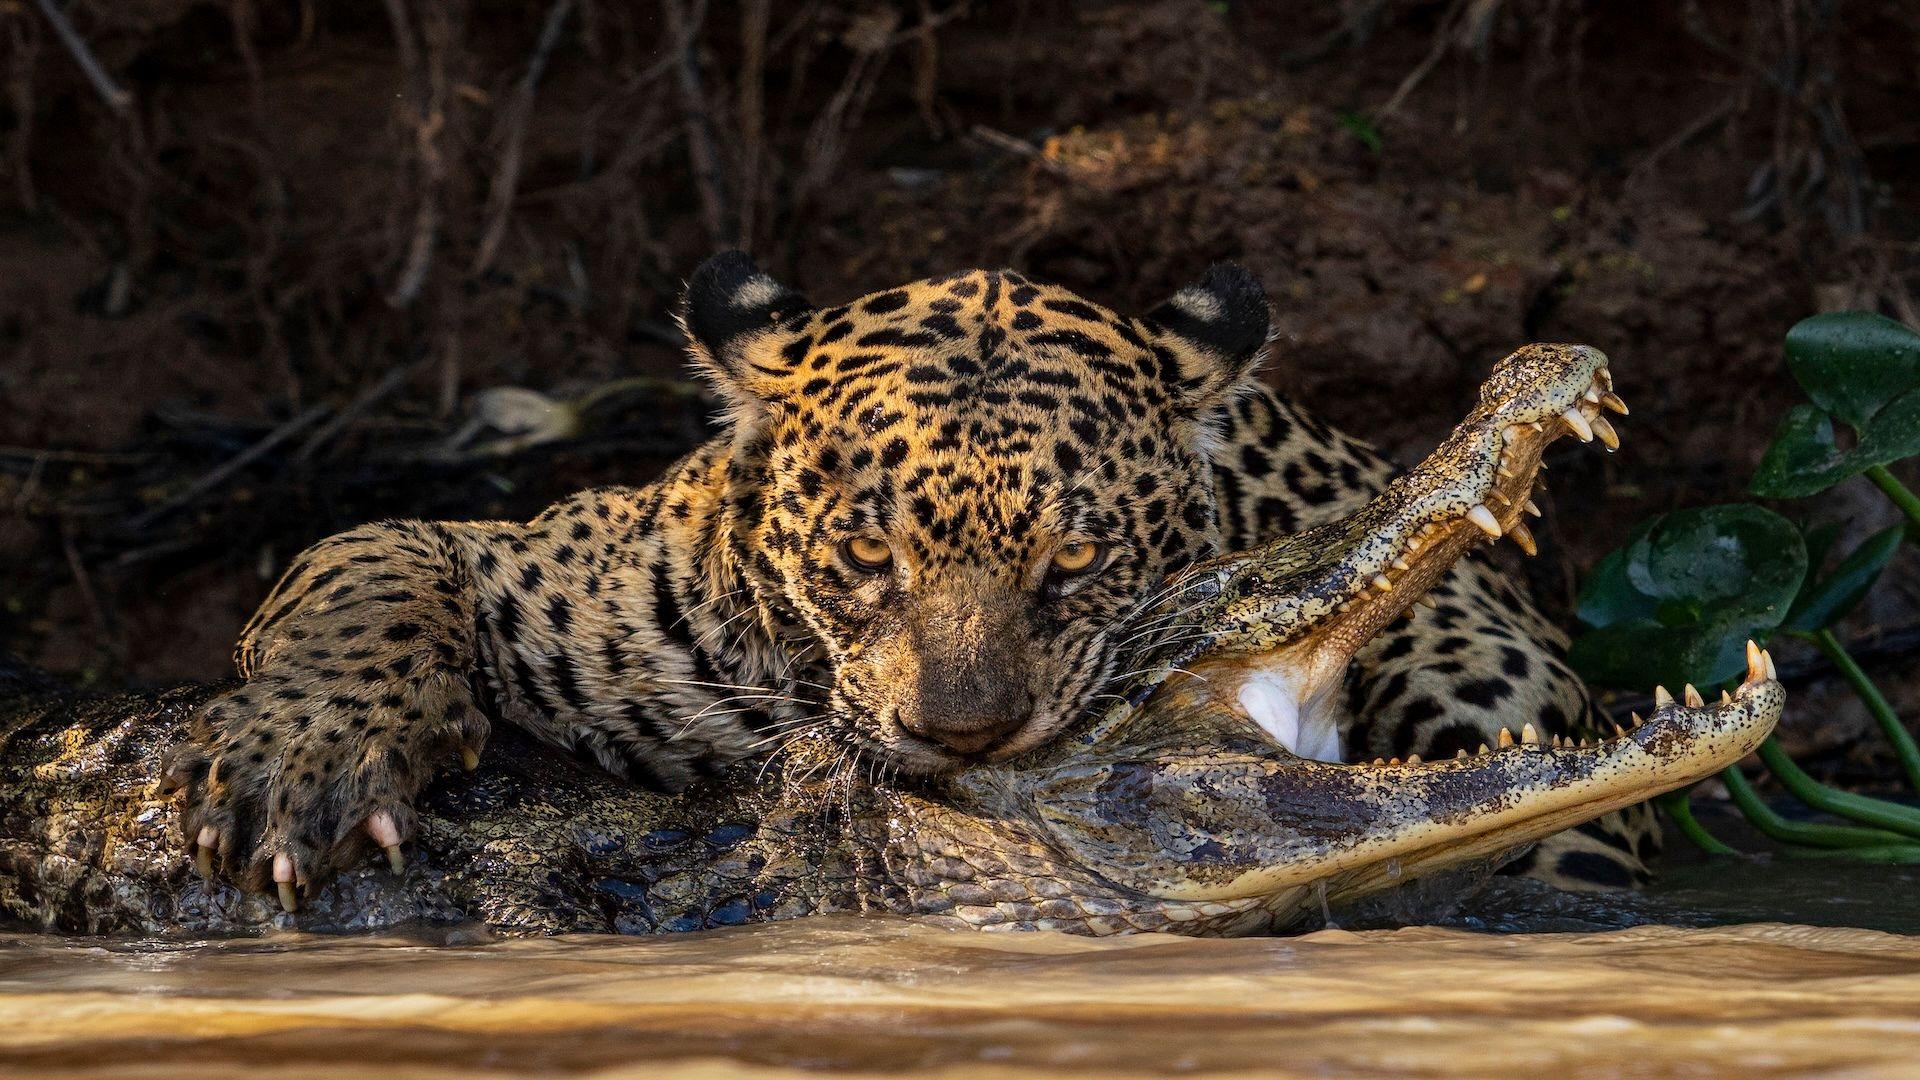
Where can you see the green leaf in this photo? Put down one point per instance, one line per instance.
(1806, 458)
(1862, 369)
(1362, 128)
(1609, 598)
(1678, 602)
(1820, 540)
(1854, 363)
(1823, 604)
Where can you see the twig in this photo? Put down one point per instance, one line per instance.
(507, 177)
(95, 610)
(110, 92)
(428, 119)
(367, 398)
(1441, 39)
(85, 457)
(755, 15)
(1015, 145)
(225, 471)
(1700, 126)
(23, 49)
(24, 496)
(701, 149)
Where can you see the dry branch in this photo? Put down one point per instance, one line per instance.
(116, 98)
(506, 178)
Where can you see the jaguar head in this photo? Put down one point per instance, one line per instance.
(960, 488)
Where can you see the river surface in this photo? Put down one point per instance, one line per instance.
(1747, 969)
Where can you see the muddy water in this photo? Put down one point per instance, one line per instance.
(850, 996)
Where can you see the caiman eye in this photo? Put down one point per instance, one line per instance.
(1079, 557)
(869, 553)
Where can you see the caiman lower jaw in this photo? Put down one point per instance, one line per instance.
(1269, 830)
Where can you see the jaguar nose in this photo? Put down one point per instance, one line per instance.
(966, 736)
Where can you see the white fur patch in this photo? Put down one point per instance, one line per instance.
(1272, 701)
(756, 292)
(1200, 304)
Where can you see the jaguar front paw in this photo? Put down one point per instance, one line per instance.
(286, 782)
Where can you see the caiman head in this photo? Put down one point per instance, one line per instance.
(1196, 807)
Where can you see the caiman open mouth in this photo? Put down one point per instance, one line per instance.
(1164, 803)
(1284, 620)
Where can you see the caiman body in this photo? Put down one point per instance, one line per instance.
(1171, 811)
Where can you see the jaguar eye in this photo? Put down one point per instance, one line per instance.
(1079, 557)
(869, 553)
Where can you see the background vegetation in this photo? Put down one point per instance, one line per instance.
(271, 267)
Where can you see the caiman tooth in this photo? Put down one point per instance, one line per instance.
(1484, 749)
(1768, 657)
(1383, 582)
(1483, 518)
(1593, 394)
(1756, 667)
(1581, 429)
(1510, 435)
(1393, 761)
(1379, 761)
(1459, 755)
(1528, 735)
(1506, 738)
(1620, 732)
(1635, 717)
(1415, 759)
(1726, 698)
(1402, 565)
(1523, 536)
(1606, 433)
(1611, 400)
(1661, 699)
(1533, 508)
(1604, 377)
(1692, 697)
(1428, 602)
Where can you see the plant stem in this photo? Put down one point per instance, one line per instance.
(1806, 833)
(1896, 854)
(1896, 732)
(1681, 811)
(1902, 496)
(1869, 811)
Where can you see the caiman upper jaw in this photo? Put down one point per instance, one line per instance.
(1284, 619)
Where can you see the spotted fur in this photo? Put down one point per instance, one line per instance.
(974, 426)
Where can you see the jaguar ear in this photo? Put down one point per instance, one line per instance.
(731, 313)
(1219, 325)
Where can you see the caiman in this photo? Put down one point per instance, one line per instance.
(1175, 809)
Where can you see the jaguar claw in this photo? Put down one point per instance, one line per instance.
(386, 832)
(205, 847)
(283, 883)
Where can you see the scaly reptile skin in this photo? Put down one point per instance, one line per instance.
(1171, 811)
